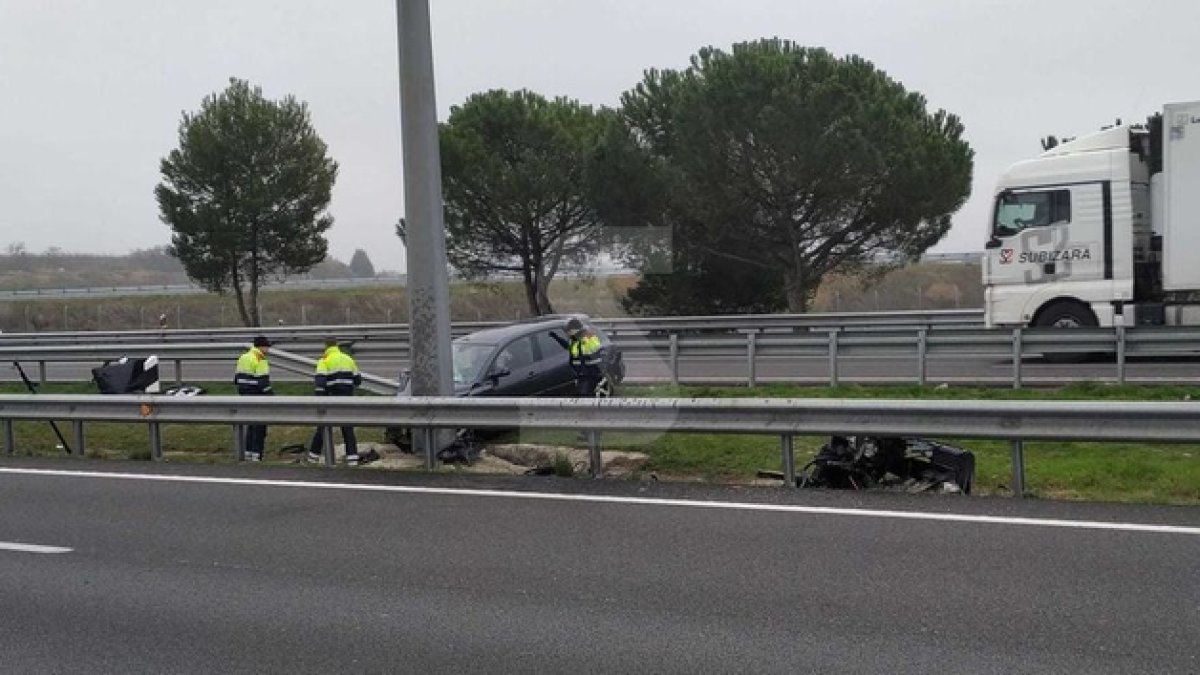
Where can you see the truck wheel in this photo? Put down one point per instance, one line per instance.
(1066, 315)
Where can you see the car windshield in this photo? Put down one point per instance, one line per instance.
(470, 358)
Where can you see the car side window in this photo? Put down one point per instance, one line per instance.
(548, 347)
(516, 354)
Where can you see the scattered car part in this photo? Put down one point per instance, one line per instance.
(880, 462)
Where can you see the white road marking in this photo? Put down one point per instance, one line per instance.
(610, 499)
(32, 548)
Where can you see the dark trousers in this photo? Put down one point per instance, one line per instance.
(586, 381)
(318, 441)
(255, 434)
(256, 437)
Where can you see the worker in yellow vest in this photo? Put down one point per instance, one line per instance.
(252, 377)
(337, 375)
(586, 355)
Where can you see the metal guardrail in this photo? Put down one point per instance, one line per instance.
(1014, 345)
(751, 323)
(176, 353)
(758, 351)
(764, 323)
(1015, 421)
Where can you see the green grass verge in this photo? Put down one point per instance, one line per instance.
(1089, 471)
(193, 443)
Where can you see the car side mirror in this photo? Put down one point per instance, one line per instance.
(496, 373)
(994, 242)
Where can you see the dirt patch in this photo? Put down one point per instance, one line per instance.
(510, 459)
(616, 463)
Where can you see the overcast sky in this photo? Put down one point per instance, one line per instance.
(91, 91)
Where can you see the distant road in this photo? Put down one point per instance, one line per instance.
(389, 572)
(191, 289)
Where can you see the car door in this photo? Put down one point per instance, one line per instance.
(517, 358)
(555, 376)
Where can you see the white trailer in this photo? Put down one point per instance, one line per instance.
(1101, 230)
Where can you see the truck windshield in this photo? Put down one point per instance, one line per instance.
(1016, 211)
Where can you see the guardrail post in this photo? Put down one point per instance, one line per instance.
(10, 438)
(674, 358)
(751, 353)
(833, 358)
(430, 447)
(1018, 468)
(327, 441)
(78, 448)
(595, 461)
(1120, 354)
(42, 373)
(787, 449)
(178, 372)
(156, 451)
(239, 442)
(922, 349)
(1016, 357)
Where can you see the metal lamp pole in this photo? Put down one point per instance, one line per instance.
(428, 285)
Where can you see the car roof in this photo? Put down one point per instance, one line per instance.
(523, 327)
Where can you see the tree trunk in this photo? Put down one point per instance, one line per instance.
(797, 290)
(542, 287)
(544, 279)
(241, 300)
(255, 316)
(254, 279)
(531, 291)
(543, 297)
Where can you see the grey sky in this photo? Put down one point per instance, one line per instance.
(91, 91)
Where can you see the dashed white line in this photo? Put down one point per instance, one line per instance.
(32, 548)
(612, 499)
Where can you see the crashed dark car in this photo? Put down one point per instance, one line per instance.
(520, 360)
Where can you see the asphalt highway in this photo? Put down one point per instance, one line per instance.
(179, 569)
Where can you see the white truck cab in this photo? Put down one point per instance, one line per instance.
(1100, 230)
